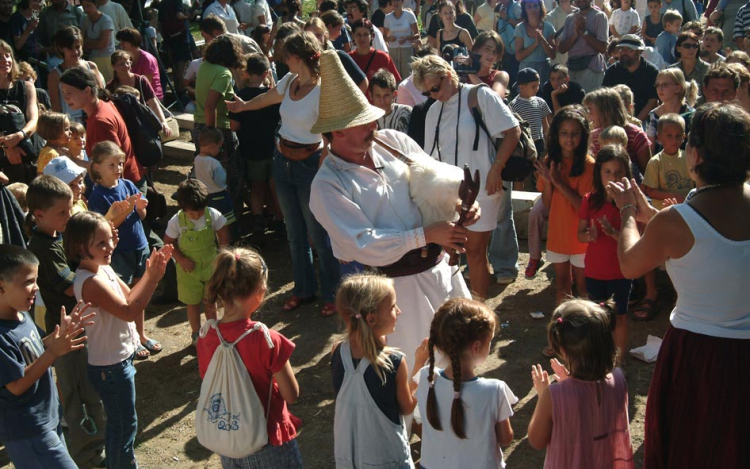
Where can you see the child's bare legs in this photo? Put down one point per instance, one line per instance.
(646, 309)
(580, 280)
(258, 196)
(479, 264)
(194, 317)
(539, 212)
(620, 335)
(563, 282)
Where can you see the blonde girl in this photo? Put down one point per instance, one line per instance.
(112, 339)
(676, 95)
(53, 127)
(370, 379)
(465, 418)
(239, 283)
(589, 402)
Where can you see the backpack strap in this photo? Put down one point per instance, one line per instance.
(476, 113)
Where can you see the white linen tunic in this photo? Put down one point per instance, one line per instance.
(371, 219)
(454, 124)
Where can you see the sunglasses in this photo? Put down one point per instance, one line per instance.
(690, 46)
(434, 89)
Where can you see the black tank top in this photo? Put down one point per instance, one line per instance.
(456, 40)
(16, 95)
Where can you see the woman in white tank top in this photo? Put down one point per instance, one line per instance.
(697, 410)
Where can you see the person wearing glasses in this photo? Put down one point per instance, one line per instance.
(636, 72)
(450, 133)
(687, 50)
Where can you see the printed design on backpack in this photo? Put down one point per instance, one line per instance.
(220, 416)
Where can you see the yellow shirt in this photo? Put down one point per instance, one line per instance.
(668, 173)
(45, 156)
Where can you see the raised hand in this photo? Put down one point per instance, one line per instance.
(591, 232)
(77, 319)
(561, 373)
(540, 378)
(608, 229)
(542, 171)
(422, 354)
(141, 202)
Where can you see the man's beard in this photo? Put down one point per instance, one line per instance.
(628, 62)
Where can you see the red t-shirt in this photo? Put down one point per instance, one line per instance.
(380, 60)
(261, 362)
(601, 262)
(105, 123)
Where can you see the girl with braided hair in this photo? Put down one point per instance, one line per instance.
(582, 420)
(370, 379)
(480, 408)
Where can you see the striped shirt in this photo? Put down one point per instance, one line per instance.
(533, 110)
(398, 119)
(741, 22)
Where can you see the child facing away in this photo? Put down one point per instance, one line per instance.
(667, 175)
(50, 203)
(256, 131)
(383, 89)
(613, 135)
(465, 418)
(371, 380)
(711, 43)
(89, 239)
(564, 177)
(53, 127)
(30, 429)
(193, 231)
(667, 39)
(131, 252)
(589, 401)
(19, 189)
(624, 20)
(208, 170)
(652, 25)
(531, 107)
(599, 227)
(64, 169)
(240, 281)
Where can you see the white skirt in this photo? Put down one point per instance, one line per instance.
(490, 206)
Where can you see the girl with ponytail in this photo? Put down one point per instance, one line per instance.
(478, 422)
(370, 379)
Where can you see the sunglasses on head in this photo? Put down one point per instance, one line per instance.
(434, 89)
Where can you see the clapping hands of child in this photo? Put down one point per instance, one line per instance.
(118, 208)
(541, 378)
(608, 229)
(422, 354)
(140, 202)
(65, 338)
(156, 264)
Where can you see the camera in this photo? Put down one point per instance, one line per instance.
(462, 61)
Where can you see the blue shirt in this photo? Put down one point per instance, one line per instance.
(132, 237)
(665, 46)
(538, 55)
(507, 31)
(36, 411)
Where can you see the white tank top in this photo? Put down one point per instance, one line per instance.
(712, 281)
(111, 340)
(298, 117)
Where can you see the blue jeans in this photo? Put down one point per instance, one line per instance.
(293, 181)
(503, 250)
(116, 386)
(40, 452)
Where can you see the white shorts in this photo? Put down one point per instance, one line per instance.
(490, 207)
(555, 258)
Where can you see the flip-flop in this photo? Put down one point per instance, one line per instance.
(548, 351)
(295, 302)
(142, 353)
(649, 307)
(329, 309)
(152, 346)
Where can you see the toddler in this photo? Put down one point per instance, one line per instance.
(53, 127)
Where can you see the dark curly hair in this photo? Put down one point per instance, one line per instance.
(225, 51)
(719, 133)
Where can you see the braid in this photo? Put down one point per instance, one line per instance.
(457, 409)
(433, 416)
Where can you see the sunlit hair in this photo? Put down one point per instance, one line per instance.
(684, 36)
(43, 193)
(305, 46)
(606, 154)
(688, 90)
(359, 297)
(6, 49)
(670, 119)
(51, 125)
(490, 36)
(238, 273)
(432, 66)
(79, 234)
(580, 332)
(456, 326)
(613, 135)
(669, 17)
(739, 57)
(101, 152)
(66, 38)
(609, 107)
(554, 150)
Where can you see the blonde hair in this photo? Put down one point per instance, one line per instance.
(51, 125)
(670, 16)
(25, 69)
(626, 95)
(358, 297)
(19, 189)
(238, 273)
(742, 71)
(432, 66)
(671, 119)
(101, 152)
(688, 90)
(609, 106)
(614, 134)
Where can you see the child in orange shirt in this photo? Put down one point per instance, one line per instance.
(563, 178)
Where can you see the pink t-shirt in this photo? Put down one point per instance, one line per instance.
(587, 434)
(261, 362)
(147, 65)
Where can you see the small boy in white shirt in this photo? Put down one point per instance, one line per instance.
(208, 170)
(624, 20)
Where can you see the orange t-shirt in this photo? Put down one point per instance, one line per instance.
(562, 233)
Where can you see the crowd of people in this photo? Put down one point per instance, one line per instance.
(346, 130)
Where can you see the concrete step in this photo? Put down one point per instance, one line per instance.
(185, 121)
(522, 203)
(179, 149)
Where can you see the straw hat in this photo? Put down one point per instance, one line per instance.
(342, 104)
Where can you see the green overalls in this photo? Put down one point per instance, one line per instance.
(200, 246)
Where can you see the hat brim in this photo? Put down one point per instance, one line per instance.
(371, 114)
(632, 47)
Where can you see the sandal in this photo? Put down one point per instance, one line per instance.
(548, 351)
(295, 302)
(142, 353)
(329, 309)
(152, 346)
(648, 309)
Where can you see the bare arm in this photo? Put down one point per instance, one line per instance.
(266, 99)
(288, 386)
(404, 397)
(504, 432)
(540, 426)
(209, 107)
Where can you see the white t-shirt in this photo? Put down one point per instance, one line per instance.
(174, 230)
(226, 13)
(210, 172)
(191, 72)
(400, 27)
(119, 17)
(298, 117)
(378, 42)
(624, 20)
(485, 401)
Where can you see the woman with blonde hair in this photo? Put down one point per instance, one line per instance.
(676, 95)
(743, 92)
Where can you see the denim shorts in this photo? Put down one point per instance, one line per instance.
(42, 451)
(130, 265)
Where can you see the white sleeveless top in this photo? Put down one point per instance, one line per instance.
(298, 117)
(712, 281)
(111, 340)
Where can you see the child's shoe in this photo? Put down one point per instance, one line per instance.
(533, 268)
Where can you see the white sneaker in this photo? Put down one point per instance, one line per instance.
(505, 280)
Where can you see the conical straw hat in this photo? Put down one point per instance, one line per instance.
(342, 104)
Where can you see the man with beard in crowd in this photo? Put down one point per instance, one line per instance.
(635, 72)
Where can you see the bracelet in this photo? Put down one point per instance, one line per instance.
(25, 135)
(627, 207)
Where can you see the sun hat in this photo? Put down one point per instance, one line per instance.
(64, 169)
(342, 104)
(631, 41)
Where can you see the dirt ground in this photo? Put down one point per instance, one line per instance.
(168, 384)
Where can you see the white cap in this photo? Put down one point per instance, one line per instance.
(64, 169)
